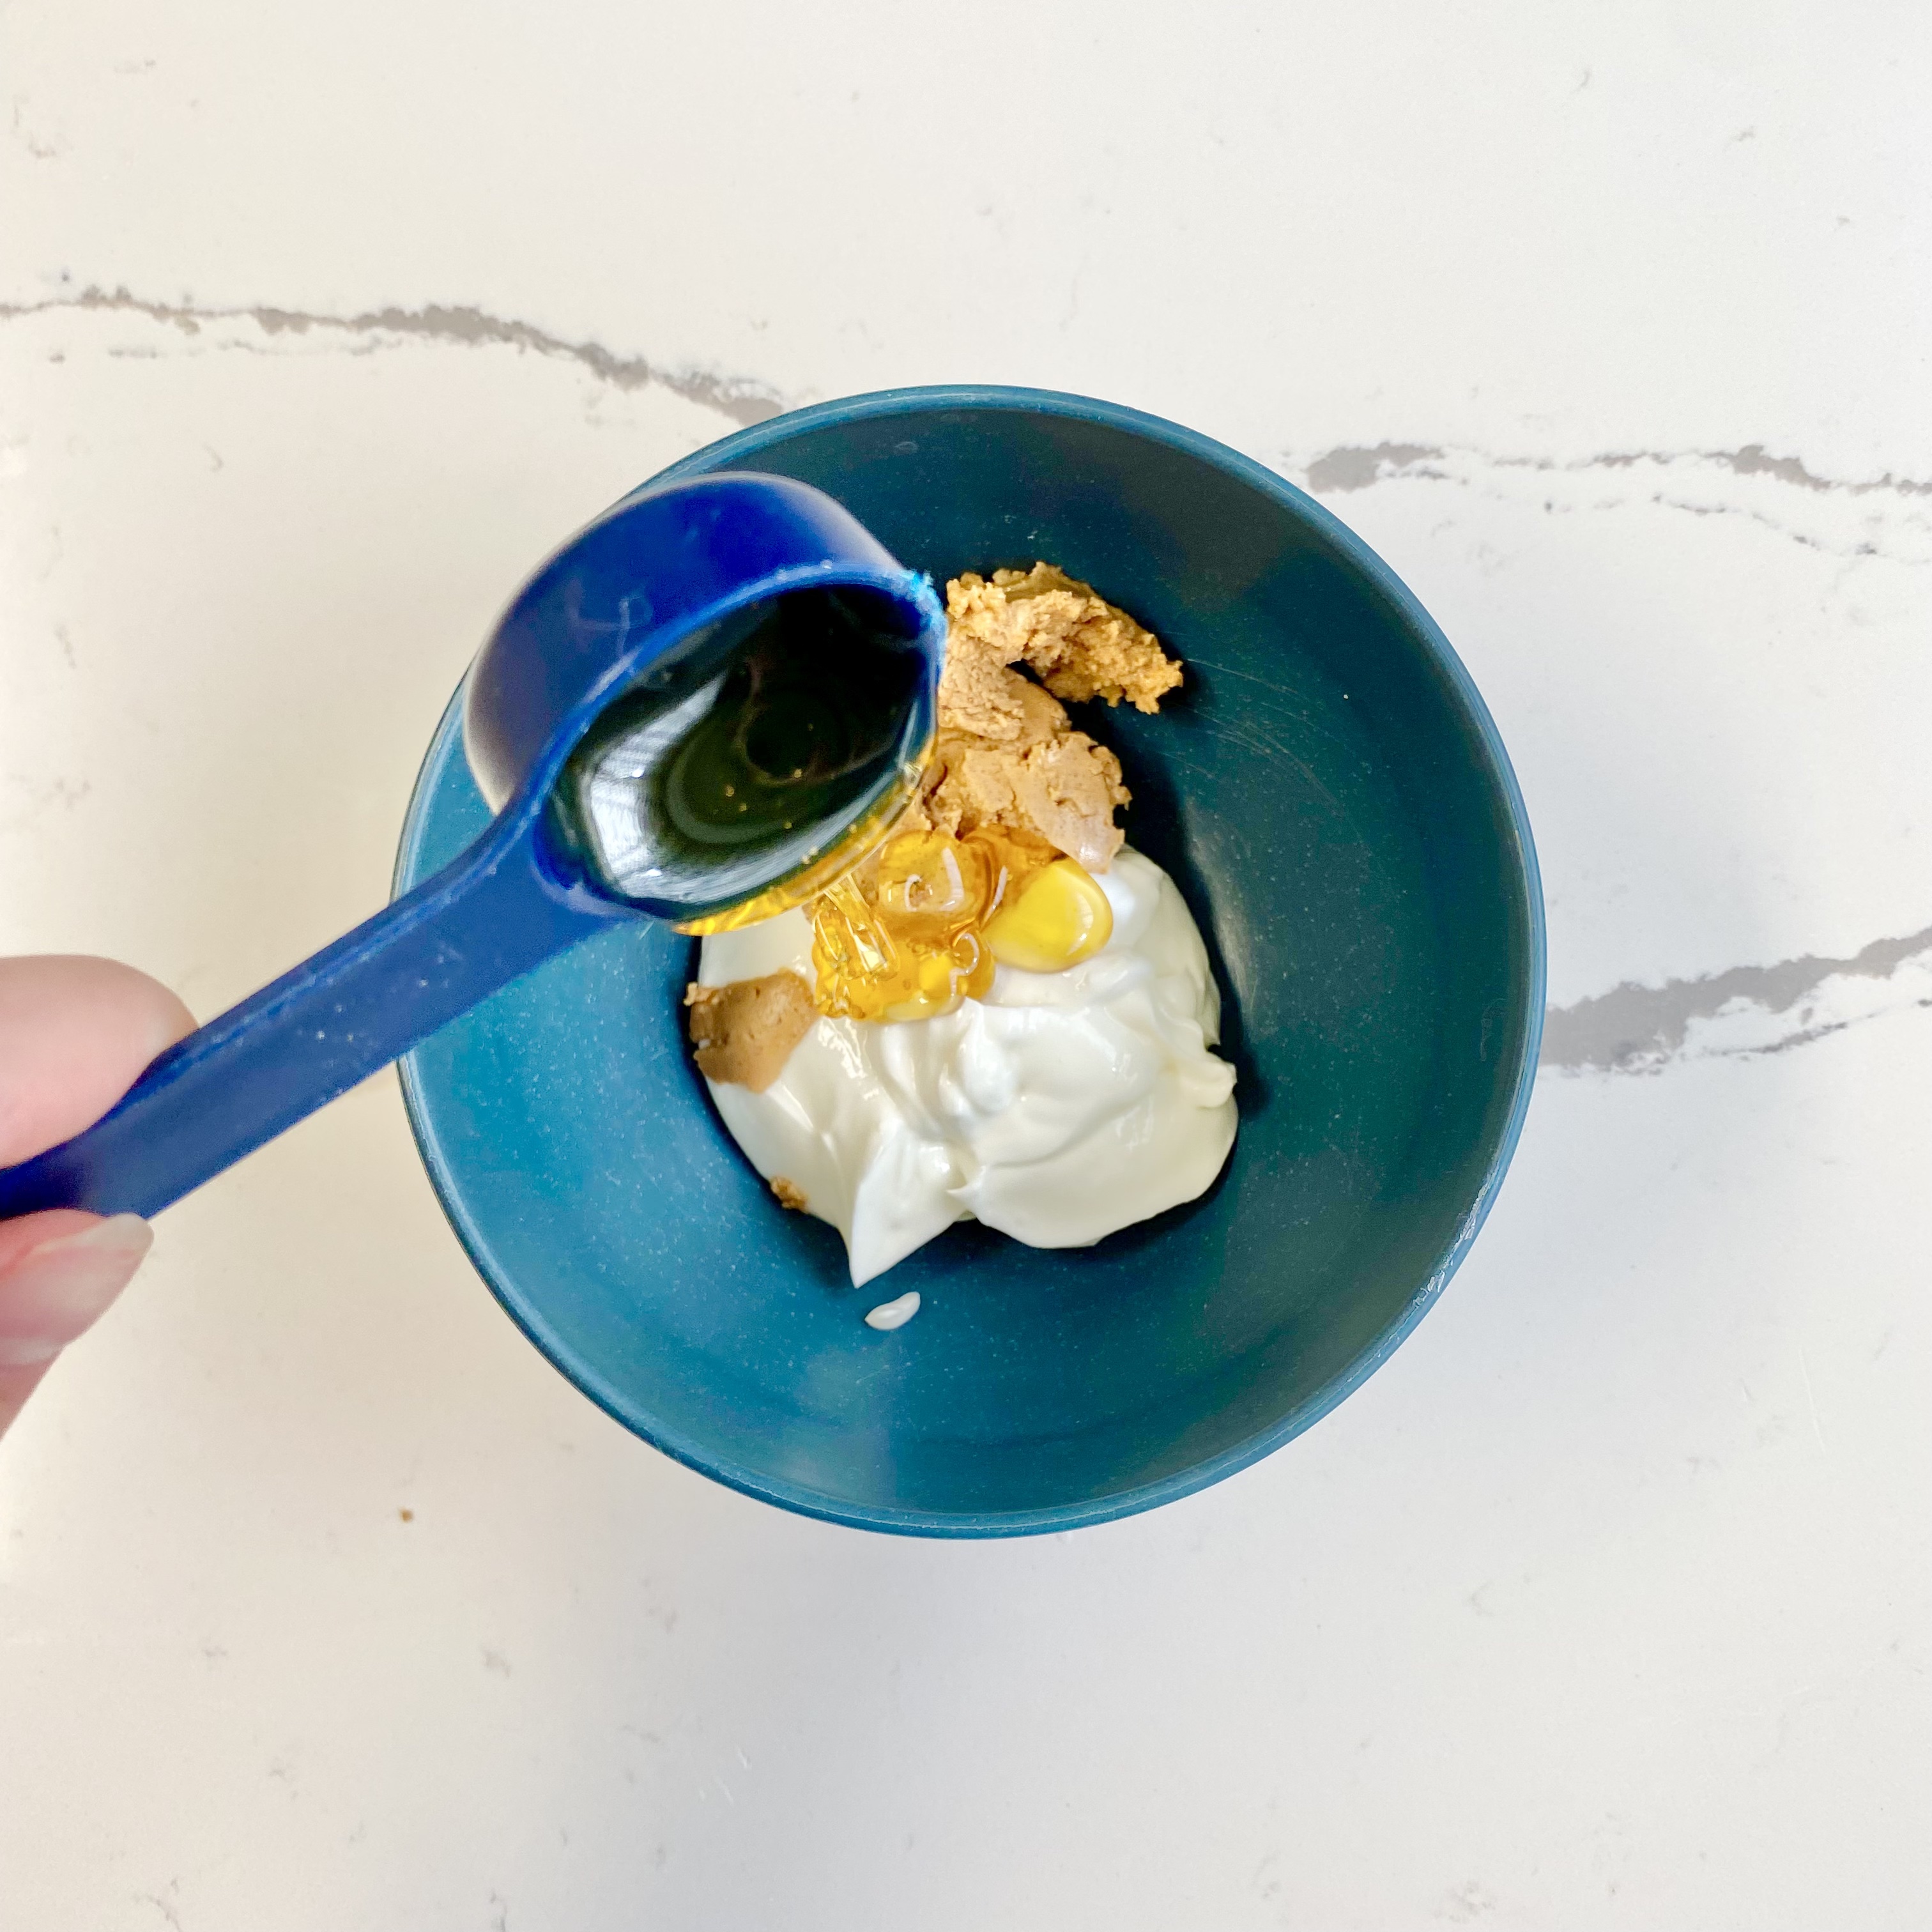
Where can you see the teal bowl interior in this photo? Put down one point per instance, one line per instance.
(1330, 796)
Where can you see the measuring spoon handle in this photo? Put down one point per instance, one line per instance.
(494, 912)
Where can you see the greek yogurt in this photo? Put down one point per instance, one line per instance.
(1058, 1108)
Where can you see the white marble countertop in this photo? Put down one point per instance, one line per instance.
(325, 1603)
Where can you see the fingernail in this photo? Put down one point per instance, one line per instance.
(58, 1290)
(22, 1351)
(118, 1234)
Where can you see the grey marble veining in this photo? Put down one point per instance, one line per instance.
(1355, 467)
(1634, 1029)
(738, 399)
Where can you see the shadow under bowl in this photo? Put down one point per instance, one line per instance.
(1330, 796)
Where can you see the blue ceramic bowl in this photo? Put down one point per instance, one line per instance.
(1331, 797)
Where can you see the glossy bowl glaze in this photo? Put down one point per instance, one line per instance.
(1332, 798)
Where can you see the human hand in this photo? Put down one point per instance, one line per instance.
(75, 1034)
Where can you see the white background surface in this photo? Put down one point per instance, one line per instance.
(1606, 1603)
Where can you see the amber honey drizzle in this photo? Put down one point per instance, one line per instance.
(919, 932)
(802, 887)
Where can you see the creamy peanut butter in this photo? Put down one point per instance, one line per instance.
(1006, 763)
(744, 1033)
(1006, 753)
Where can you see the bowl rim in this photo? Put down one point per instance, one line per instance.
(977, 1524)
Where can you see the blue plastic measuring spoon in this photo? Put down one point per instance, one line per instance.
(710, 697)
